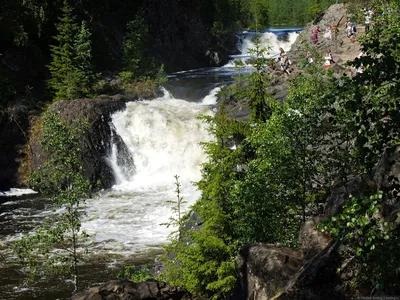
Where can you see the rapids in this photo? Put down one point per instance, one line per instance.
(125, 222)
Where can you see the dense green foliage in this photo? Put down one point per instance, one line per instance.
(296, 12)
(266, 176)
(361, 226)
(53, 247)
(136, 274)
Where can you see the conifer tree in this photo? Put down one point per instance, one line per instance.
(84, 73)
(71, 72)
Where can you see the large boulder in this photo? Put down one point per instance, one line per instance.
(96, 144)
(318, 279)
(311, 240)
(342, 49)
(127, 290)
(265, 270)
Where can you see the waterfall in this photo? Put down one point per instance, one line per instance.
(271, 42)
(162, 137)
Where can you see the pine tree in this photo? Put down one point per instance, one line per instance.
(71, 71)
(84, 73)
(134, 54)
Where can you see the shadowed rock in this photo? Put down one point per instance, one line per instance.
(127, 290)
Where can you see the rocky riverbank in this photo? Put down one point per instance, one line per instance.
(342, 48)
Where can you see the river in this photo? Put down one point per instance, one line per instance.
(125, 222)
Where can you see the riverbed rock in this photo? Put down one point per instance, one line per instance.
(127, 290)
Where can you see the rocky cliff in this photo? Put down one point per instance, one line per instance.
(95, 145)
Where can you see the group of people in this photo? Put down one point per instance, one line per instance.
(284, 61)
(331, 32)
(328, 59)
(351, 28)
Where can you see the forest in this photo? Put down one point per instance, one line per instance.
(264, 177)
(32, 30)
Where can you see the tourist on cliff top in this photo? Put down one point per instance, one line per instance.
(331, 57)
(328, 33)
(327, 63)
(315, 35)
(349, 30)
(281, 52)
(368, 16)
(285, 62)
(334, 30)
(308, 59)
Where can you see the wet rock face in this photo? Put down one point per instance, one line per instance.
(127, 290)
(96, 144)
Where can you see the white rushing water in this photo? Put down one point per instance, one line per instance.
(163, 137)
(14, 192)
(270, 42)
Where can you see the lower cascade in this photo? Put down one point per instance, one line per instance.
(163, 139)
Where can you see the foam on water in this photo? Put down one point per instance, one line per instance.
(163, 137)
(211, 99)
(13, 192)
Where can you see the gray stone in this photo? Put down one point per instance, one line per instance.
(128, 290)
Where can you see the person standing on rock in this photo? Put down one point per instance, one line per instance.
(335, 31)
(285, 62)
(328, 33)
(327, 63)
(281, 52)
(368, 16)
(315, 35)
